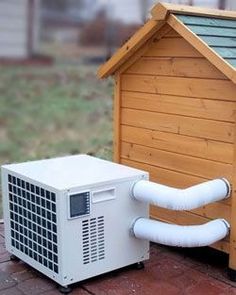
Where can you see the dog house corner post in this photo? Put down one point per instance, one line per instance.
(232, 252)
(116, 118)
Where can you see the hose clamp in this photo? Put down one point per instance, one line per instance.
(226, 223)
(229, 188)
(132, 189)
(132, 226)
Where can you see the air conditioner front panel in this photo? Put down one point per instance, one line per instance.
(101, 242)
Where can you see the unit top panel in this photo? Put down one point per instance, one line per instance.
(74, 171)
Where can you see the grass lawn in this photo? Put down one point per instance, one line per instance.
(54, 111)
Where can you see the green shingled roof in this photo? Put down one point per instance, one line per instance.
(219, 34)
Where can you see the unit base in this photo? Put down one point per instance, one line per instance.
(232, 274)
(139, 265)
(14, 258)
(65, 289)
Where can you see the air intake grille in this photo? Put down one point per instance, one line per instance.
(33, 222)
(93, 239)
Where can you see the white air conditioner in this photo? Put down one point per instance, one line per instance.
(70, 217)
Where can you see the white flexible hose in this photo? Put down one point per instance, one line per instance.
(181, 199)
(180, 236)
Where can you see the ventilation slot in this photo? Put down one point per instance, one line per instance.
(93, 239)
(33, 222)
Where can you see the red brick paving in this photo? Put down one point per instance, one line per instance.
(169, 271)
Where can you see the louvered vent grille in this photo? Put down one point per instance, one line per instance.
(33, 222)
(93, 239)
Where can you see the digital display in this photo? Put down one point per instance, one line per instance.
(79, 204)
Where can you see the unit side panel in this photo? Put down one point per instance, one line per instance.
(178, 123)
(31, 222)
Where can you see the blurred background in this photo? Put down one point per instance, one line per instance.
(51, 101)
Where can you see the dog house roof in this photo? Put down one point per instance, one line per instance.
(212, 32)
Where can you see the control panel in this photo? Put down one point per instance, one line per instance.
(79, 204)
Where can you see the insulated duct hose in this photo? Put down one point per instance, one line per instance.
(181, 199)
(180, 236)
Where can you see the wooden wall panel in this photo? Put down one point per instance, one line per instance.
(186, 218)
(173, 66)
(208, 129)
(180, 144)
(178, 123)
(179, 105)
(178, 86)
(172, 47)
(172, 161)
(165, 176)
(214, 211)
(169, 177)
(172, 34)
(179, 217)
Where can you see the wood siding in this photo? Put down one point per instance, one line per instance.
(13, 32)
(19, 28)
(177, 121)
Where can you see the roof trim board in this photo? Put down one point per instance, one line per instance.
(162, 10)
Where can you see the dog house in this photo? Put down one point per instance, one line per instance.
(175, 107)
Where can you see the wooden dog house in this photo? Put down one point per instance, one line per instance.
(175, 106)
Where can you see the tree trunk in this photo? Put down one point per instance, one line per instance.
(222, 4)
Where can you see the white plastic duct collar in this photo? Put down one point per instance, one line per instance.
(180, 236)
(181, 199)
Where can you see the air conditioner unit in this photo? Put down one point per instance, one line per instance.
(70, 217)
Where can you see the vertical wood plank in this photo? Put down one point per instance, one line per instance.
(116, 119)
(232, 253)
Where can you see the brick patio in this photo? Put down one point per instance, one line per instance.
(169, 271)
